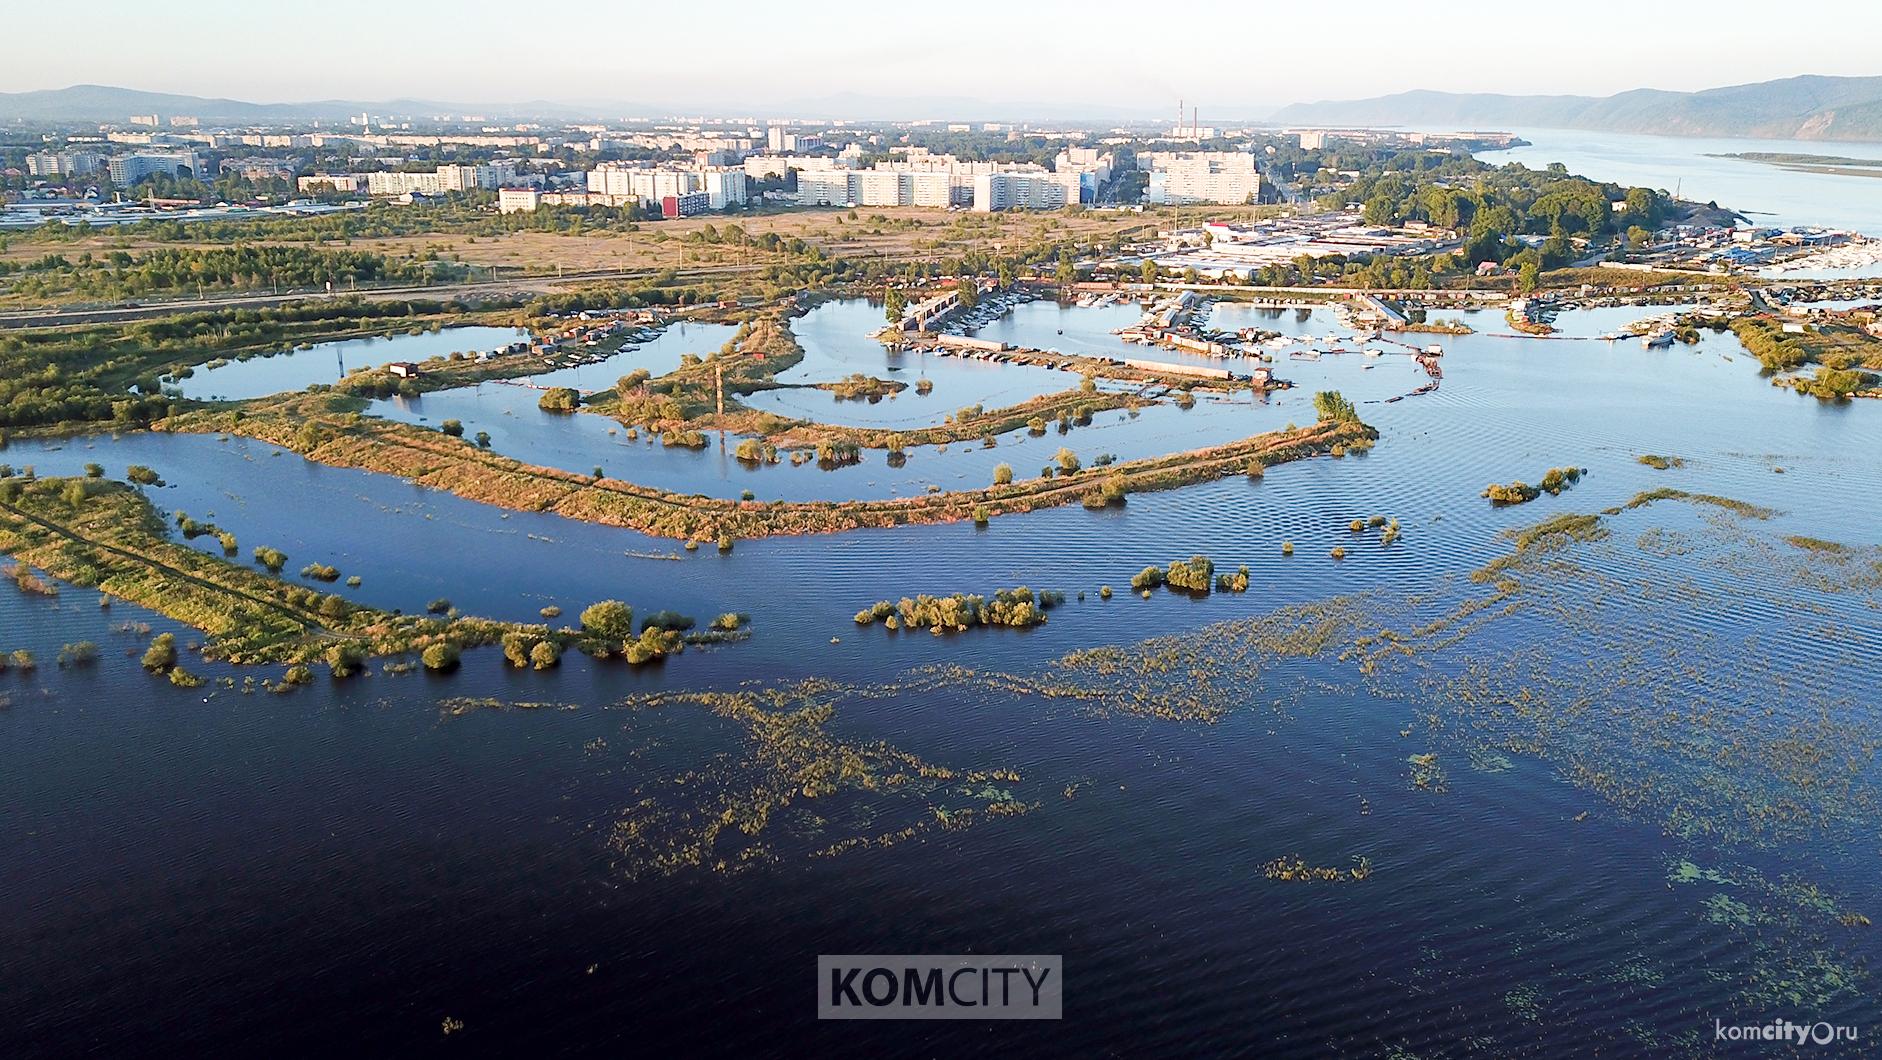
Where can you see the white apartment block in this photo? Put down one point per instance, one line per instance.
(1179, 177)
(827, 187)
(443, 180)
(332, 183)
(759, 167)
(722, 186)
(63, 163)
(129, 169)
(1037, 190)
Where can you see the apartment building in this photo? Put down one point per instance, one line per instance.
(1031, 190)
(129, 169)
(443, 180)
(1179, 177)
(63, 163)
(332, 184)
(722, 186)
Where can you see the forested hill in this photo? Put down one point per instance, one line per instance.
(1802, 108)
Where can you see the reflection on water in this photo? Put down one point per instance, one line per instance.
(327, 362)
(1692, 166)
(838, 340)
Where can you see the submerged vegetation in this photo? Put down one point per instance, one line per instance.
(106, 535)
(1661, 463)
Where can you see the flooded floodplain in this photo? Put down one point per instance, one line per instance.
(1640, 736)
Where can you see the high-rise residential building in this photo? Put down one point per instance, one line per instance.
(722, 187)
(827, 187)
(63, 163)
(129, 169)
(443, 180)
(759, 167)
(1037, 190)
(332, 184)
(1178, 177)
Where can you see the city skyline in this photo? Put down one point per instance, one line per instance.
(1105, 60)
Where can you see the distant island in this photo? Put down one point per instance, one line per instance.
(1837, 165)
(1795, 108)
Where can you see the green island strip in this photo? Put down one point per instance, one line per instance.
(324, 428)
(96, 533)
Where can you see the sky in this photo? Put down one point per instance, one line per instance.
(1234, 59)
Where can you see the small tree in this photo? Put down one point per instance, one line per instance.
(161, 655)
(608, 619)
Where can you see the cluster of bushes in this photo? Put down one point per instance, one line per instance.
(756, 451)
(1554, 481)
(1389, 527)
(831, 454)
(1195, 574)
(1019, 608)
(608, 628)
(860, 387)
(559, 399)
(1111, 492)
(1833, 384)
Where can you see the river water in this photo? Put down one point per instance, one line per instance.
(1695, 168)
(1625, 830)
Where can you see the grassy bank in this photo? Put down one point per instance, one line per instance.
(322, 428)
(91, 532)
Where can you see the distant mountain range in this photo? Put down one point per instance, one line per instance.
(1802, 108)
(103, 103)
(1795, 108)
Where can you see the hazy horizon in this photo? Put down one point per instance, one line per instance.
(1230, 60)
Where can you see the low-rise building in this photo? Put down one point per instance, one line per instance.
(518, 200)
(697, 202)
